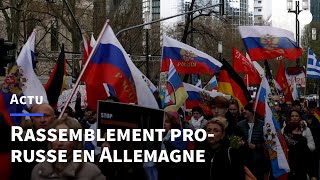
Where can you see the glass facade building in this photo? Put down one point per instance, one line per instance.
(315, 10)
(155, 9)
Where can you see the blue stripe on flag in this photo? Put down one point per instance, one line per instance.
(174, 53)
(193, 96)
(313, 66)
(255, 42)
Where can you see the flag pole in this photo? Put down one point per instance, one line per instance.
(83, 70)
(305, 87)
(247, 81)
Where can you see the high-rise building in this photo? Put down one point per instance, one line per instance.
(239, 12)
(315, 10)
(262, 11)
(155, 9)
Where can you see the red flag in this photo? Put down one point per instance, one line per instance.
(282, 81)
(243, 65)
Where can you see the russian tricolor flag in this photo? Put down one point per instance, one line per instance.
(187, 59)
(200, 97)
(261, 97)
(271, 131)
(265, 42)
(212, 84)
(111, 65)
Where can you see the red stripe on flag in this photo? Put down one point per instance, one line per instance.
(261, 54)
(186, 67)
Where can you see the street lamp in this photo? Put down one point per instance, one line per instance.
(220, 50)
(297, 11)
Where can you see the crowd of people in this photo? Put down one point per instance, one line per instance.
(236, 152)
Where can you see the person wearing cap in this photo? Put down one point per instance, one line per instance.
(252, 129)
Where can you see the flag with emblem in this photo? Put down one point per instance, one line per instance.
(21, 81)
(186, 59)
(266, 42)
(243, 65)
(274, 140)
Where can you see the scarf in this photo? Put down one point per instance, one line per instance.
(196, 123)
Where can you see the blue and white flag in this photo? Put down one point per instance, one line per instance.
(272, 136)
(21, 81)
(313, 66)
(33, 86)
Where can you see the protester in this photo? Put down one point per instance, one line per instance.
(300, 159)
(219, 107)
(22, 170)
(171, 170)
(222, 161)
(197, 120)
(296, 105)
(314, 125)
(295, 117)
(252, 128)
(234, 110)
(69, 169)
(44, 122)
(279, 115)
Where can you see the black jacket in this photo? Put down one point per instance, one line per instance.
(255, 159)
(300, 159)
(221, 163)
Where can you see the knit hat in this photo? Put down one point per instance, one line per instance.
(249, 107)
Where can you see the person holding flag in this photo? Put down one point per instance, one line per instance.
(252, 129)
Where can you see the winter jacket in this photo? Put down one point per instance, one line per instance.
(254, 158)
(223, 163)
(300, 158)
